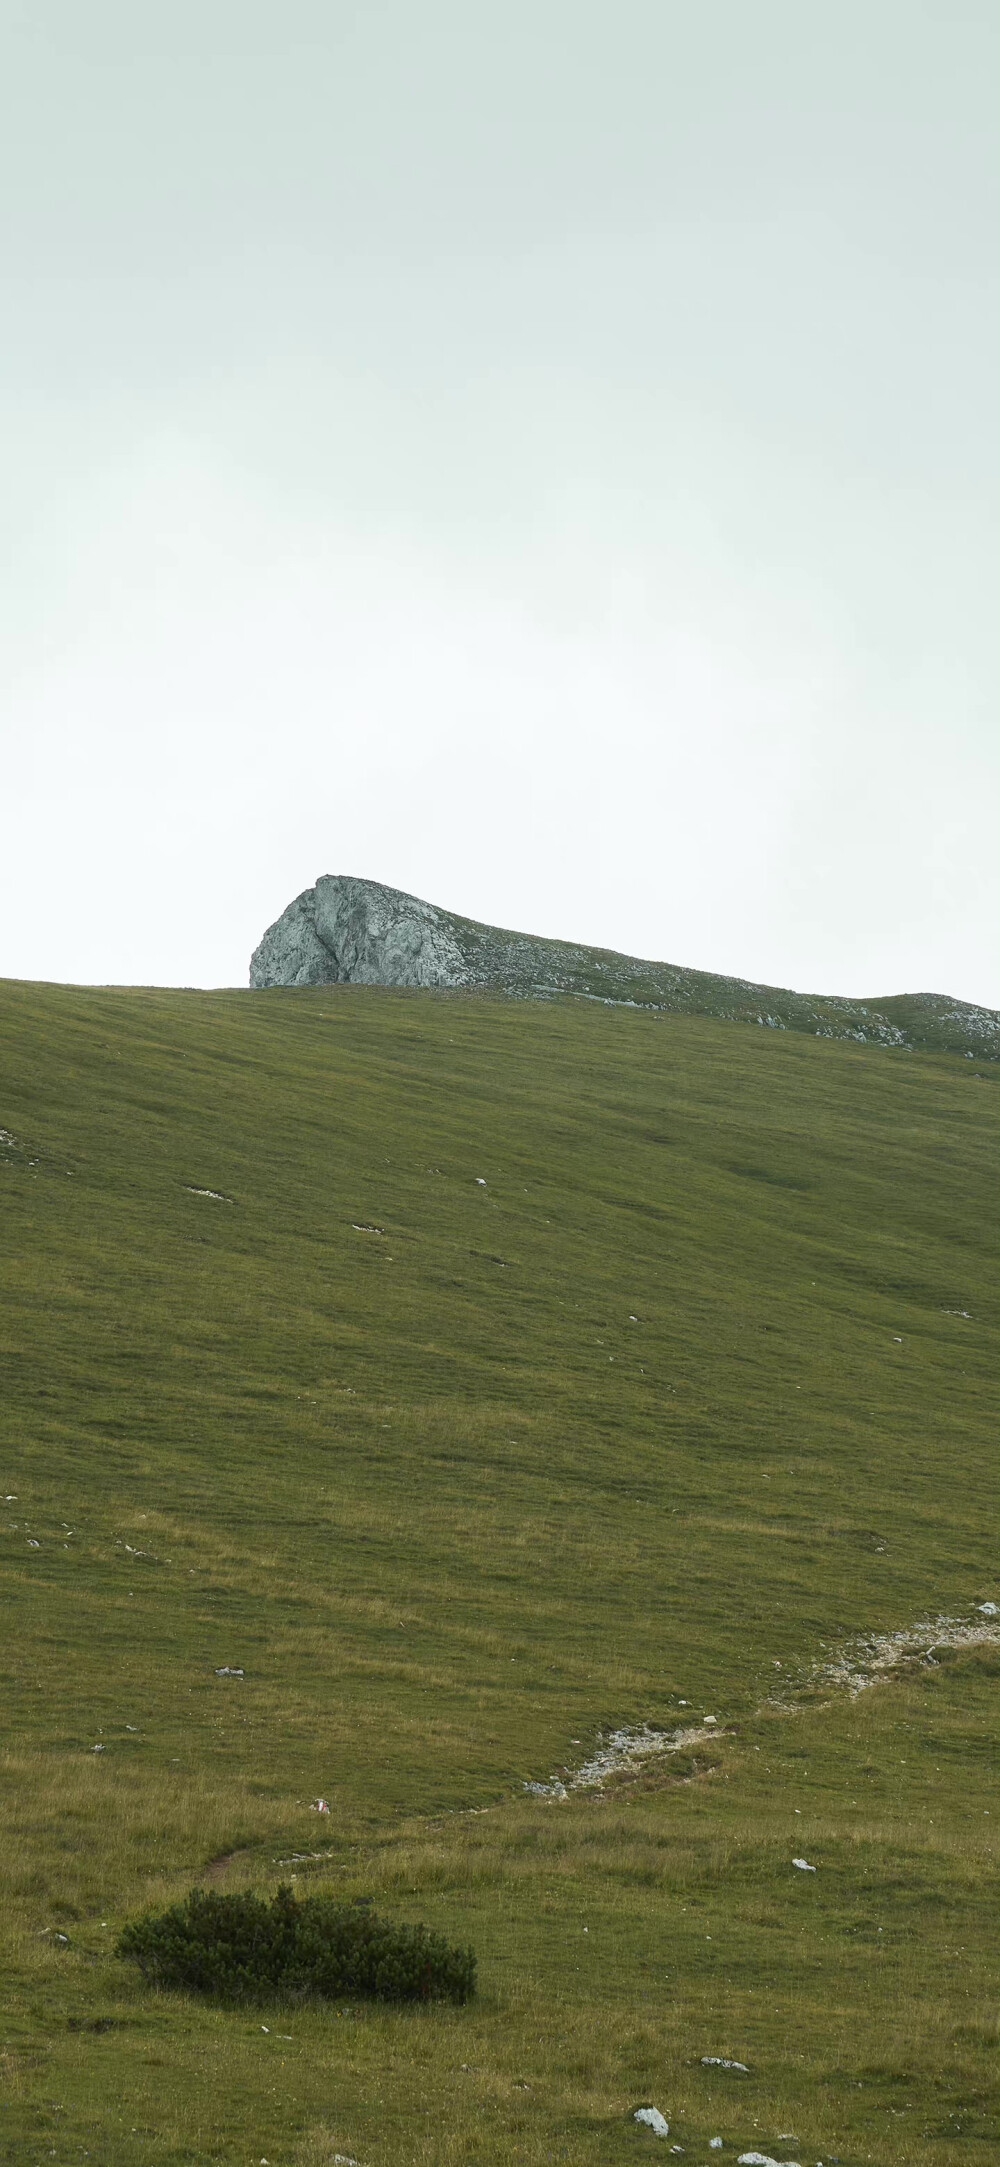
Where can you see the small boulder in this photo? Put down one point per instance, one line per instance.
(654, 2120)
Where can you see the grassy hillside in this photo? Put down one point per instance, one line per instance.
(527, 1371)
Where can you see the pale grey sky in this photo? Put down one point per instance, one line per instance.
(541, 456)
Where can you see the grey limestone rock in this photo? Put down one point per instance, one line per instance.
(381, 937)
(356, 932)
(291, 952)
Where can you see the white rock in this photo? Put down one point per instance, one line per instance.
(719, 2061)
(804, 1866)
(654, 2120)
(989, 1610)
(763, 2159)
(715, 2144)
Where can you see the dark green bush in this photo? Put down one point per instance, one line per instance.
(243, 1949)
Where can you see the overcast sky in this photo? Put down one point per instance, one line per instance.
(542, 456)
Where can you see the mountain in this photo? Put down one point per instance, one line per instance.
(346, 931)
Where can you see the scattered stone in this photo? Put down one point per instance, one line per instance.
(301, 1858)
(654, 2120)
(620, 1752)
(215, 1194)
(873, 1656)
(224, 1671)
(720, 2061)
(804, 1866)
(763, 2159)
(861, 1663)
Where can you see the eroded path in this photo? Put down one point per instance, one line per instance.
(858, 1664)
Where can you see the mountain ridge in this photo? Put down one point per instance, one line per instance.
(347, 930)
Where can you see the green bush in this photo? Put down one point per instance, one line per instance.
(244, 1949)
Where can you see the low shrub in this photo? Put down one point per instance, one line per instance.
(244, 1949)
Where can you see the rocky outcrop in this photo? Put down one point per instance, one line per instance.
(356, 932)
(291, 952)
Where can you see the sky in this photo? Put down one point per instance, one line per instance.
(539, 456)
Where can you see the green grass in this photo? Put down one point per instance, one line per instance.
(450, 1508)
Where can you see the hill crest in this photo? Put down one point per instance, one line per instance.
(347, 931)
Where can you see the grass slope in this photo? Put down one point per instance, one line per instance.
(696, 1387)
